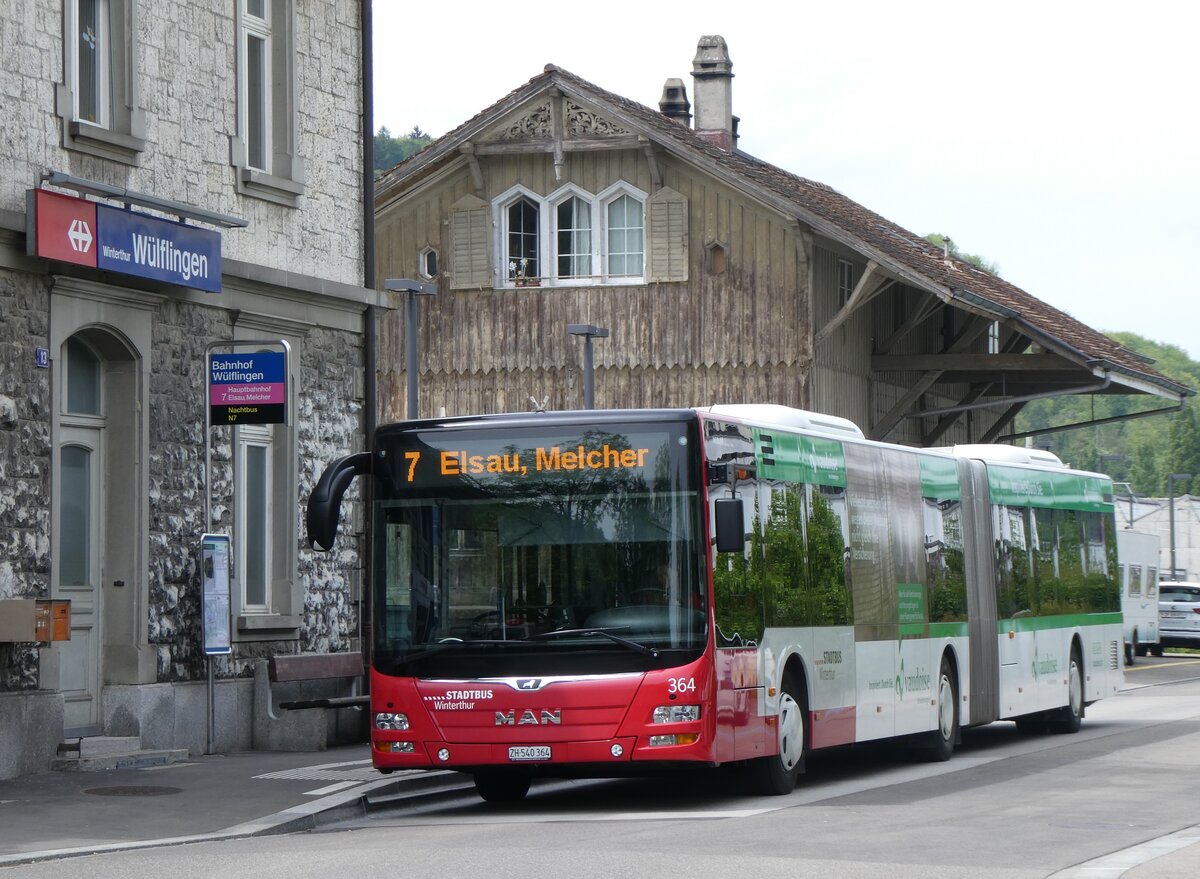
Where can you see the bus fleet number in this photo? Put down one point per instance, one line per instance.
(681, 685)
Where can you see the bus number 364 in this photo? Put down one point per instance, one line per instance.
(681, 685)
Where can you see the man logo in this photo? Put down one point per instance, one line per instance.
(529, 684)
(529, 717)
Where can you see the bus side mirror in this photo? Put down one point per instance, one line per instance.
(325, 502)
(731, 524)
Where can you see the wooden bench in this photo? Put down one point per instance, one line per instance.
(289, 682)
(317, 667)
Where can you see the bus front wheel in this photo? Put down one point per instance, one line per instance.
(776, 775)
(502, 787)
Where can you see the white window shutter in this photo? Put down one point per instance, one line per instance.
(470, 230)
(667, 236)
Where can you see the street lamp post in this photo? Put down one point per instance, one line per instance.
(1171, 504)
(588, 332)
(413, 289)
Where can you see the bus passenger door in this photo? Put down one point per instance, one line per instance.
(984, 692)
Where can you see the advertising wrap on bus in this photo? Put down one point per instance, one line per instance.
(605, 592)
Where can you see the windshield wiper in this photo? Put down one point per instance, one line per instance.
(456, 642)
(652, 652)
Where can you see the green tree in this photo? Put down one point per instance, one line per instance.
(1138, 451)
(391, 151)
(1183, 445)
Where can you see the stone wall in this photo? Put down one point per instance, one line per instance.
(24, 462)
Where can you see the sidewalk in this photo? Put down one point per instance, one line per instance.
(59, 814)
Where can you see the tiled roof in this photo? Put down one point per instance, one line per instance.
(919, 262)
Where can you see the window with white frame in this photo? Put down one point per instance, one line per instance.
(97, 99)
(571, 236)
(255, 45)
(523, 231)
(253, 516)
(626, 236)
(263, 149)
(92, 62)
(427, 262)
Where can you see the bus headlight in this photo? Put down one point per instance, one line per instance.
(676, 713)
(390, 721)
(395, 747)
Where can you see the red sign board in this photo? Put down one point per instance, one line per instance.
(66, 228)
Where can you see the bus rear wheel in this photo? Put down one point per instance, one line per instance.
(776, 775)
(502, 787)
(1069, 718)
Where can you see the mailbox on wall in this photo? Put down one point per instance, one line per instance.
(35, 619)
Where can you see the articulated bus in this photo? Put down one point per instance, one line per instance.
(600, 593)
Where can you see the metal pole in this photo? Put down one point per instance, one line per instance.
(589, 375)
(588, 332)
(211, 710)
(410, 354)
(1171, 502)
(1171, 519)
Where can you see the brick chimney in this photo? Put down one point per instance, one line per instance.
(674, 102)
(712, 76)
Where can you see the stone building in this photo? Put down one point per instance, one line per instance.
(720, 278)
(177, 178)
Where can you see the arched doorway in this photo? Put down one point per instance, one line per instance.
(95, 468)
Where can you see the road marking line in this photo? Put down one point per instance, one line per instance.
(333, 788)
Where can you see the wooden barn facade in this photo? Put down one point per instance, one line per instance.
(720, 279)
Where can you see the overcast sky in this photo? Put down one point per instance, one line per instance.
(1059, 140)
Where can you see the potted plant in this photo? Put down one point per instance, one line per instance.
(517, 272)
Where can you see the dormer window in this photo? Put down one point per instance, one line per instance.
(571, 237)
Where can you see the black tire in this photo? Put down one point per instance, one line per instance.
(1157, 650)
(937, 745)
(502, 787)
(1069, 718)
(776, 775)
(1142, 649)
(1128, 653)
(1134, 650)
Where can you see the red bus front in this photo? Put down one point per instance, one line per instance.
(541, 596)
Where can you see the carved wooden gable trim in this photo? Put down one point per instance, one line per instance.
(574, 121)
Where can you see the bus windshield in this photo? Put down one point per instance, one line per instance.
(551, 550)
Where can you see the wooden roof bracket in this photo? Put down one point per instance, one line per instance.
(652, 161)
(467, 149)
(871, 284)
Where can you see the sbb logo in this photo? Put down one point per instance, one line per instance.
(80, 236)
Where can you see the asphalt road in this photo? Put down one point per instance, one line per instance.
(1104, 802)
